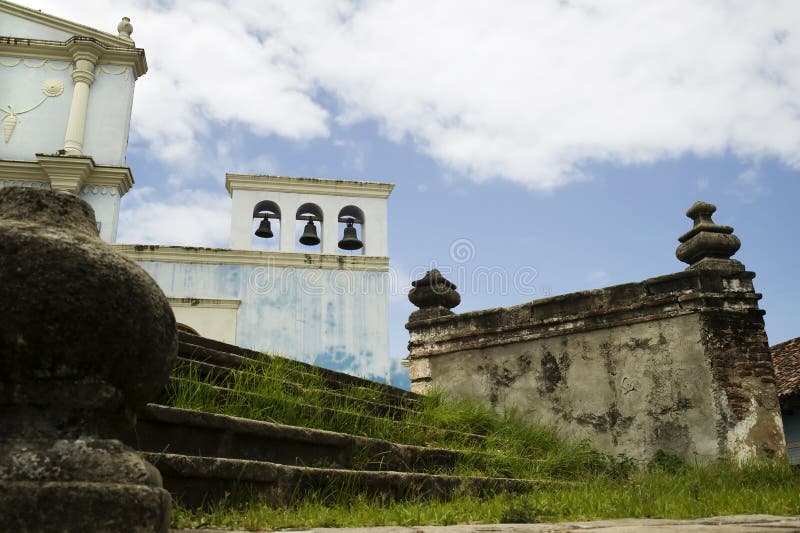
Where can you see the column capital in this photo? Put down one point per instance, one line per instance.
(85, 49)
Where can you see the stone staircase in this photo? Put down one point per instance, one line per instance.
(204, 457)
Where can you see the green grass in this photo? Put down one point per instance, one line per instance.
(278, 390)
(691, 492)
(274, 391)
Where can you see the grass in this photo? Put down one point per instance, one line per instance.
(278, 390)
(691, 492)
(492, 445)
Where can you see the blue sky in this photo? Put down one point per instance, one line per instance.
(555, 143)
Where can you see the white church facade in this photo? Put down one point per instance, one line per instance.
(306, 273)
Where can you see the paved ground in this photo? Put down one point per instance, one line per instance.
(726, 524)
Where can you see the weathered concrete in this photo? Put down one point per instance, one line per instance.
(678, 363)
(182, 431)
(199, 480)
(86, 339)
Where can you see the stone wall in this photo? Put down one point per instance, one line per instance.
(678, 363)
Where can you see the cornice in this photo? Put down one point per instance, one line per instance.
(205, 303)
(75, 47)
(257, 182)
(64, 25)
(88, 172)
(119, 177)
(222, 256)
(671, 296)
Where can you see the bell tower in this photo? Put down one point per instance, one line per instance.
(346, 217)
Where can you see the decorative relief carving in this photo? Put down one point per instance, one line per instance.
(95, 190)
(51, 88)
(107, 70)
(33, 63)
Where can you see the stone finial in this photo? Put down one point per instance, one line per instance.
(86, 339)
(434, 295)
(708, 245)
(125, 28)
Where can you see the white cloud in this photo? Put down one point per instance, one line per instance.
(527, 91)
(189, 218)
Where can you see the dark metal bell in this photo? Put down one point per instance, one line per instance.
(309, 237)
(264, 229)
(350, 240)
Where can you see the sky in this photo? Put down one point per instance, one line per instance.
(538, 148)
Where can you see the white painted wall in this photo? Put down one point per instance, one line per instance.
(41, 130)
(207, 318)
(26, 29)
(373, 233)
(337, 319)
(108, 117)
(105, 202)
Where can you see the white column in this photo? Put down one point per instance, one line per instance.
(330, 234)
(241, 221)
(83, 76)
(288, 212)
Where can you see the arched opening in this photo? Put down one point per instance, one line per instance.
(308, 228)
(266, 226)
(351, 230)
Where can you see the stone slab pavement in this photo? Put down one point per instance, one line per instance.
(726, 524)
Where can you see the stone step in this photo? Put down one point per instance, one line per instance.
(233, 357)
(215, 374)
(357, 419)
(186, 432)
(197, 481)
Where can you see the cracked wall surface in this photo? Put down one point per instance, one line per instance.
(678, 363)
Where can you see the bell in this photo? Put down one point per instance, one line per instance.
(264, 229)
(350, 240)
(309, 237)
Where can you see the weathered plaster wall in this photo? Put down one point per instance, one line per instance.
(628, 387)
(337, 319)
(678, 363)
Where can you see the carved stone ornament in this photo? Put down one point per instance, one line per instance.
(50, 88)
(86, 339)
(434, 295)
(708, 245)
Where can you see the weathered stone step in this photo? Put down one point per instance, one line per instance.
(357, 419)
(196, 481)
(193, 346)
(186, 432)
(217, 375)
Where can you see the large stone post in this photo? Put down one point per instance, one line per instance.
(86, 339)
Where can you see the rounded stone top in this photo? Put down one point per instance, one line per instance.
(62, 211)
(82, 328)
(433, 291)
(125, 28)
(708, 245)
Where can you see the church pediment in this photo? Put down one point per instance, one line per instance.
(25, 23)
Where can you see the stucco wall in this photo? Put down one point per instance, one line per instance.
(337, 319)
(629, 387)
(678, 363)
(42, 130)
